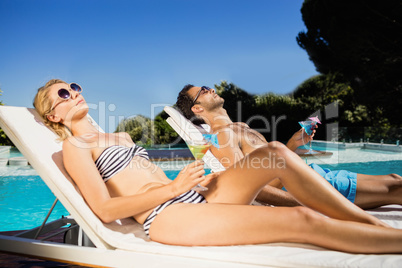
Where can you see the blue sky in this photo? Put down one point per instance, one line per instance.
(133, 57)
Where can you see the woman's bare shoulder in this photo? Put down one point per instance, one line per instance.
(81, 143)
(124, 135)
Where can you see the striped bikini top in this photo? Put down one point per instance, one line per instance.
(115, 158)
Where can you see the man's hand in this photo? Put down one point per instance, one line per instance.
(300, 138)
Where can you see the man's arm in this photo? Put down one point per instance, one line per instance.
(300, 138)
(229, 151)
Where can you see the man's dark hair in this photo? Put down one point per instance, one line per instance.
(185, 102)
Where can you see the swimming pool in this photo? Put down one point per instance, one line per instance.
(25, 199)
(364, 161)
(25, 202)
(13, 152)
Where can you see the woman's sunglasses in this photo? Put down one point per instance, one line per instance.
(203, 88)
(65, 94)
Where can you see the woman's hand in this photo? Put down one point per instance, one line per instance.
(210, 177)
(188, 177)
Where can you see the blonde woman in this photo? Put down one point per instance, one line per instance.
(117, 181)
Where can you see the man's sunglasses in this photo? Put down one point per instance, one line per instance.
(65, 94)
(203, 88)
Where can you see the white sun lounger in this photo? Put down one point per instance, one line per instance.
(187, 130)
(123, 243)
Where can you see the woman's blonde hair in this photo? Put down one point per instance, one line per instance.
(43, 103)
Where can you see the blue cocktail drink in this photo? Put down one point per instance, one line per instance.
(308, 126)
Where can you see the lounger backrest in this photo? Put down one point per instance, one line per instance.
(188, 131)
(39, 145)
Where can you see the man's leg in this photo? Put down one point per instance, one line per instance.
(378, 190)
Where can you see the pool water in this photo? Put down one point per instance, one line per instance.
(371, 168)
(25, 202)
(25, 199)
(13, 152)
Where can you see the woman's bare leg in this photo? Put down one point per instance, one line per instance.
(375, 191)
(242, 182)
(220, 224)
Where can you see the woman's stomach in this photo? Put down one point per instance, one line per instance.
(137, 179)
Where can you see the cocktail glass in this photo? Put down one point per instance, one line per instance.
(199, 148)
(308, 126)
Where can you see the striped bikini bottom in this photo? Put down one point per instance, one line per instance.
(188, 197)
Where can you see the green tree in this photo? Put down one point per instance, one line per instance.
(320, 90)
(147, 132)
(362, 40)
(276, 116)
(239, 104)
(164, 133)
(272, 115)
(139, 129)
(282, 112)
(354, 117)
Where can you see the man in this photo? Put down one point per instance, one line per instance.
(237, 140)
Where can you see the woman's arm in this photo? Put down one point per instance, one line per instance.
(80, 165)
